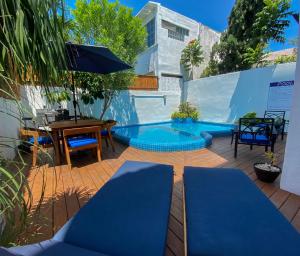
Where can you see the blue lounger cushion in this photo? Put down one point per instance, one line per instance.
(226, 214)
(128, 215)
(42, 140)
(50, 248)
(81, 141)
(7, 252)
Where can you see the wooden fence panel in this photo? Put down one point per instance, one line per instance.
(148, 83)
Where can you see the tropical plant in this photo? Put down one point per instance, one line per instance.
(192, 56)
(32, 49)
(271, 157)
(26, 53)
(185, 110)
(256, 57)
(251, 24)
(101, 22)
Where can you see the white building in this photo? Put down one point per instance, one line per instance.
(168, 34)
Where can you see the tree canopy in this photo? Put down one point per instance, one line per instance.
(251, 25)
(101, 22)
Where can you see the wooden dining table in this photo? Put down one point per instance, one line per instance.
(58, 127)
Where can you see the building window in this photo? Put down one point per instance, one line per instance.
(151, 32)
(174, 31)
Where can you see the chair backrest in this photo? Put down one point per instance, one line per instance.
(274, 114)
(29, 133)
(262, 126)
(82, 130)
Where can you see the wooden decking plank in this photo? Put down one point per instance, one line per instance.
(74, 187)
(290, 207)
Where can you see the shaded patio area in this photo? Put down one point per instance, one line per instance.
(67, 190)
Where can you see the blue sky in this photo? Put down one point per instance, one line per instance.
(213, 13)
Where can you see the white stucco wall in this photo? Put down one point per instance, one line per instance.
(33, 98)
(168, 50)
(9, 127)
(208, 38)
(149, 106)
(147, 62)
(133, 107)
(225, 98)
(290, 178)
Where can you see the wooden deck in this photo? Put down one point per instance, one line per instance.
(66, 191)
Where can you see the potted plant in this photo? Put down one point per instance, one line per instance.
(268, 171)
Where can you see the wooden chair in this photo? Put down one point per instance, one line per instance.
(106, 133)
(37, 140)
(76, 139)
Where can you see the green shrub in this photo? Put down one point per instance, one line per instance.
(250, 115)
(178, 114)
(194, 115)
(185, 111)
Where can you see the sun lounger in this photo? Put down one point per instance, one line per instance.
(127, 216)
(226, 214)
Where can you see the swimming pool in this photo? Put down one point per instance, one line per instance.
(171, 136)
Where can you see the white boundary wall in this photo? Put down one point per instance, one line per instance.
(225, 98)
(9, 127)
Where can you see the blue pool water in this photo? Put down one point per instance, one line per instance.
(171, 136)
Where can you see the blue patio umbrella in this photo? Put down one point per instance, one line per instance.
(93, 59)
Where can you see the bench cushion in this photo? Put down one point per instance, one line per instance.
(81, 141)
(128, 215)
(251, 138)
(51, 248)
(42, 140)
(226, 214)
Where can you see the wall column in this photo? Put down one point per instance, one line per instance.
(290, 178)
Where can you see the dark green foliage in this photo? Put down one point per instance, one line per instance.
(101, 22)
(251, 25)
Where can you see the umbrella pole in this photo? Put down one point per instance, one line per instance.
(74, 98)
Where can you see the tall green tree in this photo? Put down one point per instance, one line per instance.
(101, 22)
(250, 24)
(192, 56)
